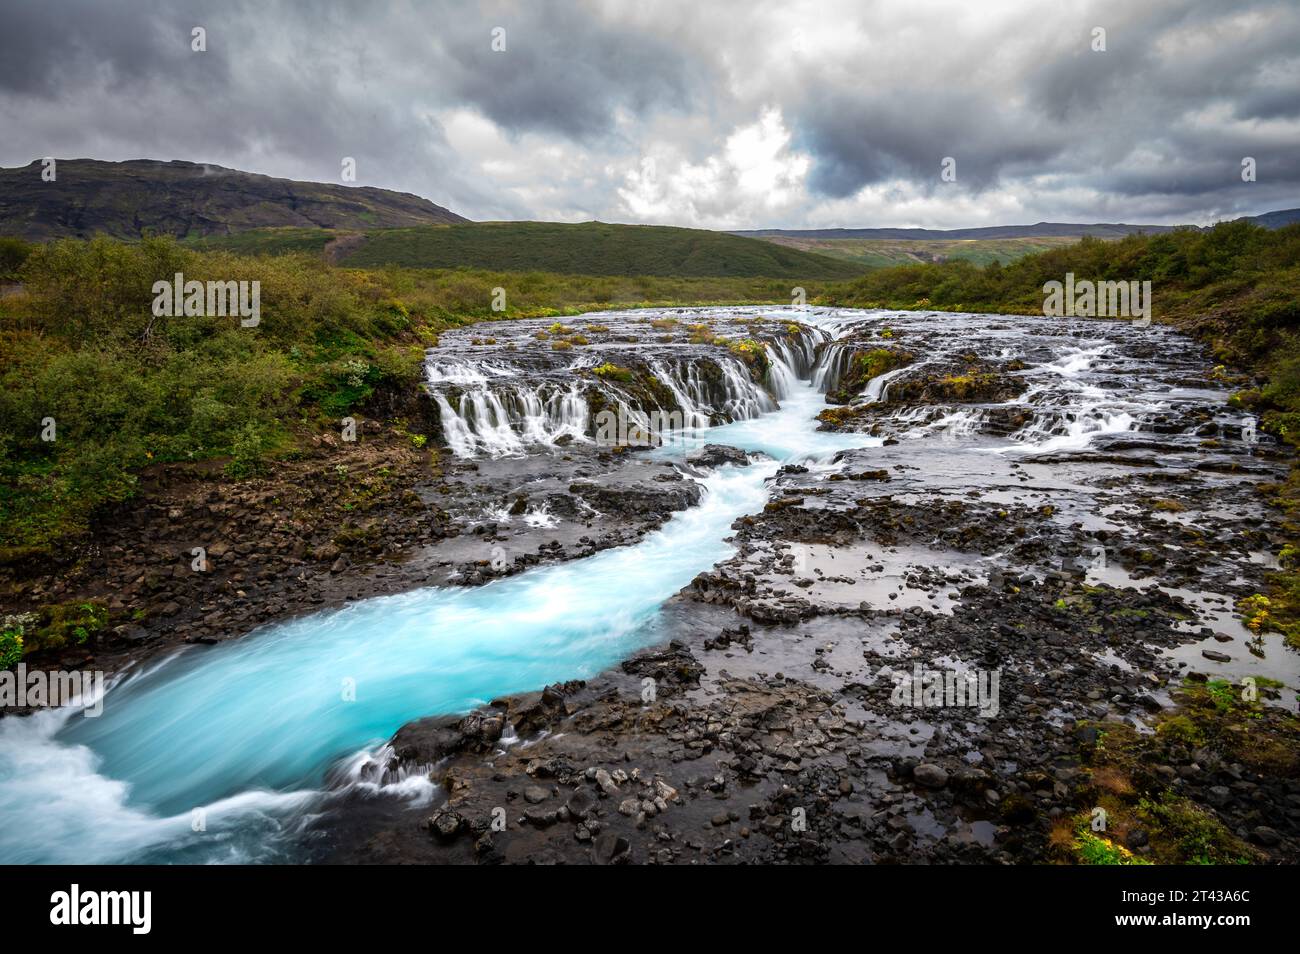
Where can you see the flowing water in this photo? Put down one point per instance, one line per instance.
(248, 733)
(249, 740)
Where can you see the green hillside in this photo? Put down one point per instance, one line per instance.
(592, 248)
(276, 241)
(589, 248)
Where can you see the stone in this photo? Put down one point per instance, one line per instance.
(715, 455)
(580, 803)
(445, 825)
(930, 775)
(1263, 835)
(609, 847)
(605, 782)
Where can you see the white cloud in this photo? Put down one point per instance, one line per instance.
(755, 172)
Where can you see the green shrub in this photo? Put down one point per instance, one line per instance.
(11, 638)
(64, 624)
(13, 253)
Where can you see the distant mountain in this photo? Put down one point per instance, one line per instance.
(1041, 230)
(1107, 230)
(1275, 220)
(881, 253)
(189, 199)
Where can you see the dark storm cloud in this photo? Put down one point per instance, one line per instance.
(874, 97)
(857, 143)
(565, 69)
(291, 88)
(49, 49)
(1062, 105)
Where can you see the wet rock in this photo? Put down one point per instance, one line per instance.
(446, 825)
(609, 848)
(640, 499)
(930, 775)
(1263, 835)
(541, 817)
(580, 803)
(606, 782)
(715, 455)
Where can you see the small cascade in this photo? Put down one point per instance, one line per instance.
(959, 423)
(783, 377)
(832, 363)
(877, 388)
(1070, 429)
(689, 389)
(465, 372)
(504, 420)
(378, 770)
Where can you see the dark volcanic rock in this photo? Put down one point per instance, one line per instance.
(715, 455)
(639, 499)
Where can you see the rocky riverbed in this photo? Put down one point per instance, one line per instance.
(989, 613)
(1071, 507)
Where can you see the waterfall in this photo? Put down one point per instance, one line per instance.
(689, 390)
(832, 362)
(877, 388)
(745, 399)
(783, 376)
(487, 408)
(503, 421)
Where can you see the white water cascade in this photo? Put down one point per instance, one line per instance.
(487, 409)
(504, 420)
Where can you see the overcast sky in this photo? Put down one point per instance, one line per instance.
(717, 114)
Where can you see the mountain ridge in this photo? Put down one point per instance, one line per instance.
(186, 199)
(1274, 219)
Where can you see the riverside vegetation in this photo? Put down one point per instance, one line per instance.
(128, 390)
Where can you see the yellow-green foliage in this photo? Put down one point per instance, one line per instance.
(1096, 850)
(65, 624)
(611, 371)
(13, 631)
